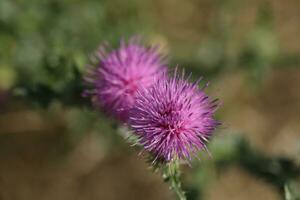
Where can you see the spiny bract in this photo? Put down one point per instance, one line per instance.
(173, 119)
(119, 73)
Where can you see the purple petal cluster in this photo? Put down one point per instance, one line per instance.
(120, 73)
(173, 118)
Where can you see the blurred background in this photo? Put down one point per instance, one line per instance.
(54, 146)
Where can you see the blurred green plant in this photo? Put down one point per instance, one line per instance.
(232, 149)
(45, 43)
(44, 50)
(291, 190)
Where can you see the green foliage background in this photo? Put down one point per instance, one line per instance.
(45, 45)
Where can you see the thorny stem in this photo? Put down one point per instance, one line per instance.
(171, 174)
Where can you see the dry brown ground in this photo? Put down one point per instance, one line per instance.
(268, 117)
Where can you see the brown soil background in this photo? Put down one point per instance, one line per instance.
(268, 116)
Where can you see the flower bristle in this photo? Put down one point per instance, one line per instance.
(116, 75)
(174, 118)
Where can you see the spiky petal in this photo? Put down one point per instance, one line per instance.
(174, 118)
(119, 73)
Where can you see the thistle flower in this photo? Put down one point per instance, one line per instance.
(120, 73)
(173, 119)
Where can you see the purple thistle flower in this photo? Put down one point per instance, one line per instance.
(120, 73)
(173, 119)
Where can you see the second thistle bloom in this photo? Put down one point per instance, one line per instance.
(174, 118)
(120, 73)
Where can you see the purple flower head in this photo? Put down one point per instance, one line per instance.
(173, 119)
(120, 73)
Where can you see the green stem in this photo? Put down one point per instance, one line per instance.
(171, 174)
